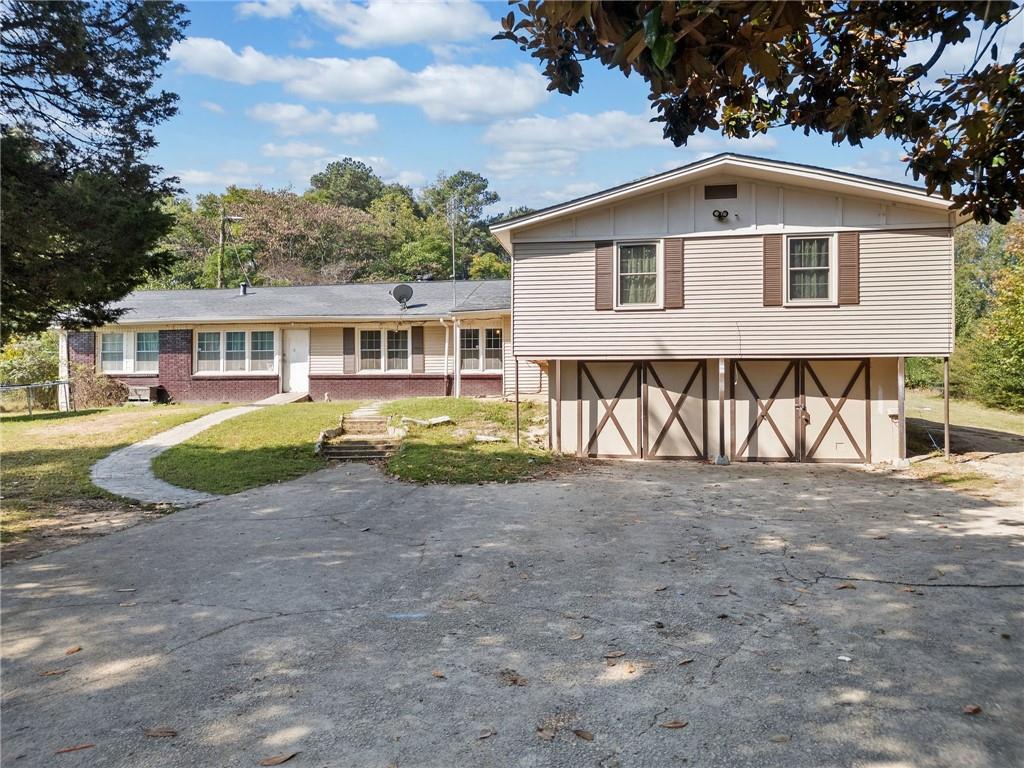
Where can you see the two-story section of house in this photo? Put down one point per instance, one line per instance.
(736, 308)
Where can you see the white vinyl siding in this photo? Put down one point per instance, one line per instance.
(905, 306)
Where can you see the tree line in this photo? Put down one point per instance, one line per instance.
(348, 225)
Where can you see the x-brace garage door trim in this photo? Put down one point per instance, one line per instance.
(763, 406)
(635, 370)
(836, 408)
(650, 451)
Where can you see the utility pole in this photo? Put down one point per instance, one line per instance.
(452, 214)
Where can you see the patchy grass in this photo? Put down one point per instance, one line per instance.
(46, 460)
(258, 448)
(449, 453)
(926, 405)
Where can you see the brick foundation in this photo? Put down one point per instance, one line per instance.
(393, 387)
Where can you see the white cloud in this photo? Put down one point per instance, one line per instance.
(570, 191)
(297, 119)
(513, 162)
(292, 149)
(385, 22)
(413, 179)
(212, 106)
(445, 92)
(227, 173)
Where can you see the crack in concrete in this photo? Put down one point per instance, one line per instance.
(917, 584)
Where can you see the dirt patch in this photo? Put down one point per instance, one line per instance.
(106, 423)
(69, 523)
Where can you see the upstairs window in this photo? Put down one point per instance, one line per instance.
(809, 267)
(637, 268)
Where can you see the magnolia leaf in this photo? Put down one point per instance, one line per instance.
(585, 735)
(663, 50)
(673, 724)
(278, 759)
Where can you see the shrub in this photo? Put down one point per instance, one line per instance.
(95, 390)
(996, 348)
(28, 360)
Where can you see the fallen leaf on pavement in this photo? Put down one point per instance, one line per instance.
(438, 674)
(52, 673)
(673, 724)
(576, 636)
(278, 759)
(72, 649)
(660, 589)
(846, 586)
(160, 733)
(74, 748)
(686, 661)
(972, 709)
(127, 605)
(780, 738)
(585, 735)
(486, 733)
(545, 733)
(614, 654)
(125, 590)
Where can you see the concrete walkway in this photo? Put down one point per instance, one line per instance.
(128, 472)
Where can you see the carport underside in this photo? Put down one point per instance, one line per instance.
(797, 409)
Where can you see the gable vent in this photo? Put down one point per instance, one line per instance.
(719, 191)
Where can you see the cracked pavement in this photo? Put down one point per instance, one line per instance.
(365, 622)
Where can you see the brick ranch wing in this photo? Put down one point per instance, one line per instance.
(733, 309)
(330, 341)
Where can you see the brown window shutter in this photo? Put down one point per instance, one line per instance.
(772, 251)
(417, 349)
(673, 254)
(849, 267)
(604, 276)
(348, 348)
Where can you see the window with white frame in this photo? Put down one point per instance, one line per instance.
(480, 349)
(129, 352)
(494, 357)
(147, 351)
(369, 351)
(398, 351)
(809, 268)
(235, 351)
(637, 275)
(112, 352)
(469, 349)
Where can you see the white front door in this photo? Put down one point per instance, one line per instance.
(296, 361)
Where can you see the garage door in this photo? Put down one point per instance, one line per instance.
(836, 402)
(675, 416)
(764, 405)
(609, 413)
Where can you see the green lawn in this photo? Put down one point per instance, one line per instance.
(45, 458)
(923, 404)
(450, 454)
(265, 446)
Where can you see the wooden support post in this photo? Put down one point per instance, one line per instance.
(558, 406)
(945, 406)
(517, 402)
(901, 417)
(721, 458)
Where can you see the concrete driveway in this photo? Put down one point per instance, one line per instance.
(790, 615)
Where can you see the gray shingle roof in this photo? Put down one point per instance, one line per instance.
(351, 300)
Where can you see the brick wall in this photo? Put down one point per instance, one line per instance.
(391, 387)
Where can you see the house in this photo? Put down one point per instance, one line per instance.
(330, 341)
(735, 308)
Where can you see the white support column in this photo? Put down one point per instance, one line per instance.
(901, 417)
(457, 373)
(945, 406)
(722, 458)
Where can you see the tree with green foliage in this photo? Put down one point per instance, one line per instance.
(998, 345)
(430, 257)
(488, 266)
(82, 211)
(347, 182)
(840, 69)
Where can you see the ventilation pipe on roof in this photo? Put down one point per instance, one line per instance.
(243, 289)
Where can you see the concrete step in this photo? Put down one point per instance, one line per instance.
(364, 425)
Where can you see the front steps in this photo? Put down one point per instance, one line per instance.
(364, 435)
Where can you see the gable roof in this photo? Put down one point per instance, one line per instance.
(747, 165)
(314, 302)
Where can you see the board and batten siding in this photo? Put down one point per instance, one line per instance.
(905, 304)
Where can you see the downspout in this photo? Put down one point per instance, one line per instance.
(457, 386)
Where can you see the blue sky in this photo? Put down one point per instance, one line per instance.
(273, 90)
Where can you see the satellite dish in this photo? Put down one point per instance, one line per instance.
(402, 293)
